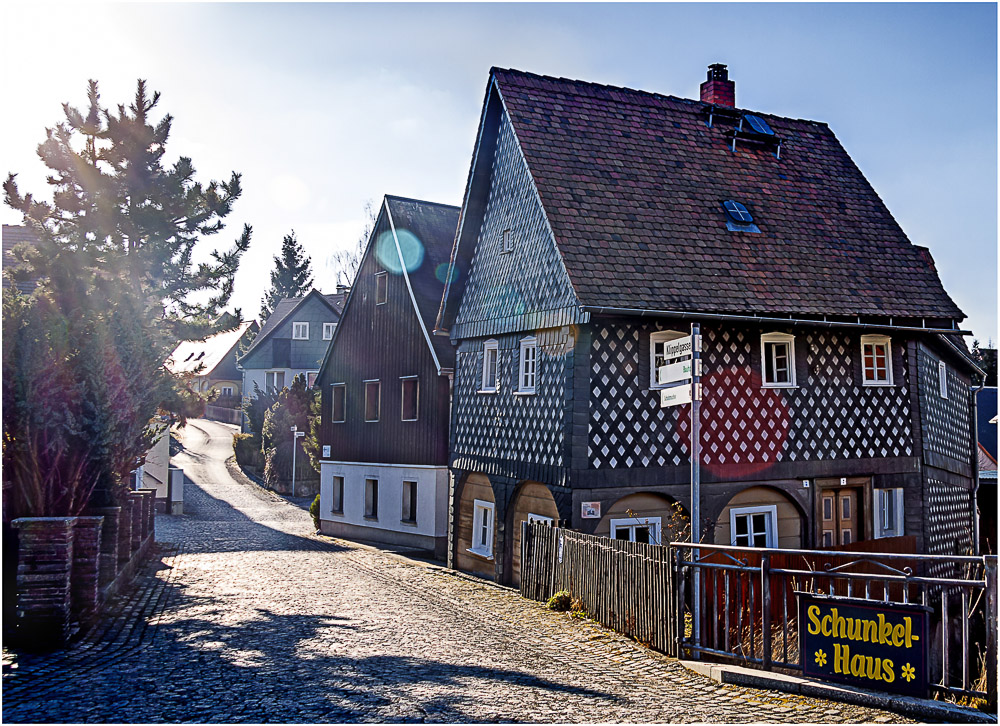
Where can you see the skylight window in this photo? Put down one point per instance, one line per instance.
(737, 212)
(758, 124)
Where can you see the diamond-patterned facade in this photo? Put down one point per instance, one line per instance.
(945, 420)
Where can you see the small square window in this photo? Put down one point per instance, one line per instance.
(409, 502)
(226, 391)
(328, 330)
(778, 360)
(754, 526)
(372, 393)
(876, 360)
(381, 287)
(371, 498)
(529, 366)
(337, 496)
(942, 379)
(507, 241)
(645, 530)
(300, 331)
(338, 411)
(411, 392)
(491, 357)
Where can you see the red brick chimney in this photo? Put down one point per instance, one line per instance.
(718, 89)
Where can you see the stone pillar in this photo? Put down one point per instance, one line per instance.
(125, 535)
(85, 577)
(109, 542)
(45, 560)
(150, 511)
(135, 505)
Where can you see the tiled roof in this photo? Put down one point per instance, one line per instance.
(434, 225)
(212, 351)
(14, 235)
(286, 306)
(632, 185)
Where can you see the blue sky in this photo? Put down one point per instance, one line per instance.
(324, 106)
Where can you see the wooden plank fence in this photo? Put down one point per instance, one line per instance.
(623, 585)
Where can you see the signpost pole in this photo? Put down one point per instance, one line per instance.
(696, 476)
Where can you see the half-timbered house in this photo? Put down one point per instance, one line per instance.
(598, 223)
(385, 387)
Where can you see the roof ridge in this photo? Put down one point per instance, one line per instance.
(653, 94)
(420, 201)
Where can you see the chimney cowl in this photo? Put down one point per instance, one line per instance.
(718, 89)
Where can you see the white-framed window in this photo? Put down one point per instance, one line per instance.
(274, 380)
(338, 407)
(532, 518)
(337, 496)
(754, 526)
(410, 398)
(409, 513)
(381, 287)
(528, 368)
(300, 331)
(482, 528)
(777, 359)
(660, 353)
(636, 529)
(507, 241)
(373, 390)
(226, 391)
(491, 359)
(889, 512)
(876, 360)
(943, 379)
(328, 330)
(371, 498)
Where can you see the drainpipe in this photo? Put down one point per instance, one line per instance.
(975, 468)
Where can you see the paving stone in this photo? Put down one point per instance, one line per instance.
(245, 615)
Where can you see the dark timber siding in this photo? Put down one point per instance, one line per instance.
(384, 342)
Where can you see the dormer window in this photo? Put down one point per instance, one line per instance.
(738, 217)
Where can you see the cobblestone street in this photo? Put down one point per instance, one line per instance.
(245, 615)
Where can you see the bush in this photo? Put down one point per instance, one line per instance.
(560, 602)
(314, 511)
(247, 450)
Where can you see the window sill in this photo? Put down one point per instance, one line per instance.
(481, 553)
(374, 420)
(371, 519)
(487, 391)
(336, 514)
(772, 386)
(525, 393)
(408, 522)
(408, 420)
(877, 384)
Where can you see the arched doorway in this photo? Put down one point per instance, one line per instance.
(475, 529)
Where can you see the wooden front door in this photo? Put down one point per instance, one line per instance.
(839, 516)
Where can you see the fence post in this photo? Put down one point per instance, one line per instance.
(991, 629)
(526, 564)
(765, 604)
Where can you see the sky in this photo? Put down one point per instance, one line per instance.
(322, 107)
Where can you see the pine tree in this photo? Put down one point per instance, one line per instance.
(291, 276)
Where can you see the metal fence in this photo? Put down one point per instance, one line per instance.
(747, 605)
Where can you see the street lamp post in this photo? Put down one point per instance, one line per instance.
(296, 434)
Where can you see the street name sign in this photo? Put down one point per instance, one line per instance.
(677, 348)
(676, 396)
(674, 372)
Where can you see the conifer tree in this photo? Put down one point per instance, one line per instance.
(291, 276)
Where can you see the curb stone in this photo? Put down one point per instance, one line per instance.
(934, 711)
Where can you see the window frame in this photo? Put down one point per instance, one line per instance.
(333, 402)
(333, 493)
(876, 340)
(300, 330)
(402, 403)
(274, 374)
(660, 336)
(328, 327)
(381, 287)
(481, 508)
(895, 494)
(378, 399)
(943, 379)
(771, 531)
(506, 241)
(776, 339)
(490, 346)
(223, 391)
(373, 515)
(413, 502)
(654, 524)
(526, 344)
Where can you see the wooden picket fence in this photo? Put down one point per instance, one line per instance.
(623, 585)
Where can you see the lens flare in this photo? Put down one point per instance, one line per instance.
(441, 273)
(410, 246)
